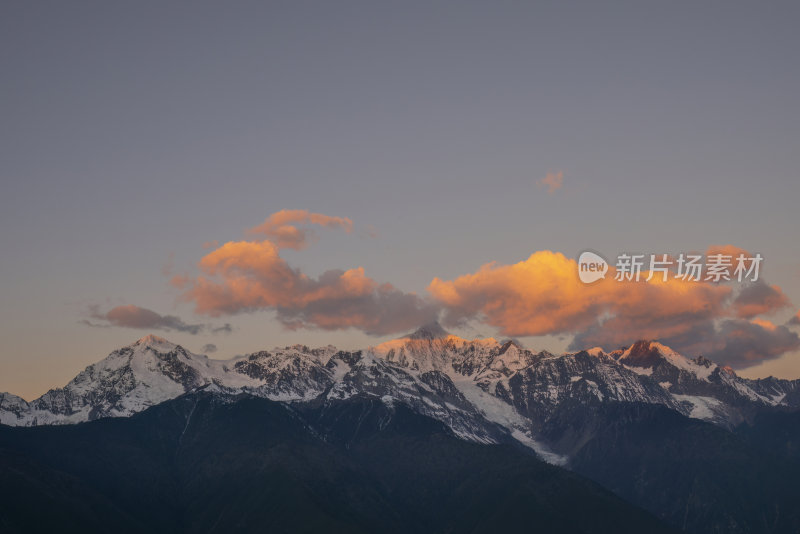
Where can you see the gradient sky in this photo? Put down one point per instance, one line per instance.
(134, 133)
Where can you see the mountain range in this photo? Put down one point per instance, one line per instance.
(684, 439)
(485, 390)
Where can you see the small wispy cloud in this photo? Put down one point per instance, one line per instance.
(371, 232)
(224, 329)
(131, 316)
(289, 228)
(553, 181)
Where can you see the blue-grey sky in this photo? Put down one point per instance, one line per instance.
(134, 133)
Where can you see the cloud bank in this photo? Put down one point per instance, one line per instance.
(541, 295)
(248, 276)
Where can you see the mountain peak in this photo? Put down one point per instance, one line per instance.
(643, 353)
(430, 331)
(151, 340)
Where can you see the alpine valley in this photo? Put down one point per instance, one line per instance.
(426, 433)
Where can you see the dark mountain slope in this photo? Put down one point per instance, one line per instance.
(693, 474)
(776, 433)
(209, 463)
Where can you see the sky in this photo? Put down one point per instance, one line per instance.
(245, 175)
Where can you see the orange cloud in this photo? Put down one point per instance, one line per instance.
(543, 295)
(284, 227)
(540, 295)
(246, 276)
(765, 324)
(553, 181)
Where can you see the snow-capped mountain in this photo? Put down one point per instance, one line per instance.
(706, 390)
(485, 390)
